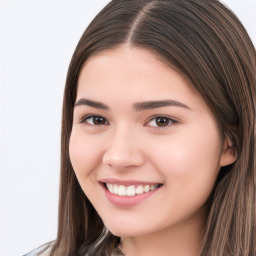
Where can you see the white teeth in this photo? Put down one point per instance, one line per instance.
(110, 188)
(146, 188)
(132, 190)
(139, 190)
(115, 189)
(122, 190)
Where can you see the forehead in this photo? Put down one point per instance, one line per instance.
(130, 69)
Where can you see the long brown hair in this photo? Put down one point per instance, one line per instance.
(205, 42)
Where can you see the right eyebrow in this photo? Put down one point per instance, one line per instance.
(91, 103)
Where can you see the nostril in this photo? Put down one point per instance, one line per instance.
(120, 159)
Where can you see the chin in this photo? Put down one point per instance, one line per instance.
(127, 230)
(125, 233)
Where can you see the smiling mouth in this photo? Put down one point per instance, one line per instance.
(131, 190)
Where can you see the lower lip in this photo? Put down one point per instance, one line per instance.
(127, 201)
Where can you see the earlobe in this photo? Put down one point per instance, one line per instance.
(229, 154)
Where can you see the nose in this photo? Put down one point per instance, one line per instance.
(124, 150)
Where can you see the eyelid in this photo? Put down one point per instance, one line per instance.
(86, 117)
(171, 119)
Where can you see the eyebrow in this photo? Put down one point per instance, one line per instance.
(158, 104)
(140, 106)
(91, 103)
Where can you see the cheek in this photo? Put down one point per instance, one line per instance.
(192, 149)
(189, 162)
(189, 165)
(84, 154)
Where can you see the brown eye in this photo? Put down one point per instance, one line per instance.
(160, 121)
(95, 120)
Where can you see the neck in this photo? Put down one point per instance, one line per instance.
(183, 239)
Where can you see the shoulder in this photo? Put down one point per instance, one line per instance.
(43, 250)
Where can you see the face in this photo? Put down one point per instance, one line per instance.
(144, 146)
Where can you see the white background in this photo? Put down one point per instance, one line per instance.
(37, 39)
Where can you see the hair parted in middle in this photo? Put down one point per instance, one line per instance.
(206, 43)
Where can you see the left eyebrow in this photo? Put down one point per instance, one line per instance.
(140, 106)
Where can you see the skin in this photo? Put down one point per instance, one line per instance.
(185, 155)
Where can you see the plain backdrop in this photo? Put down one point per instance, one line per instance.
(37, 39)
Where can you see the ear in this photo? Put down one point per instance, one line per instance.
(228, 154)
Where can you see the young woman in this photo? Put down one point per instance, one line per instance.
(158, 134)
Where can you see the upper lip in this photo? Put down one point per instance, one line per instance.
(127, 182)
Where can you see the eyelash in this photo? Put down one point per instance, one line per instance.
(87, 117)
(171, 121)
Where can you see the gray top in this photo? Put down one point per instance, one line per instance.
(46, 247)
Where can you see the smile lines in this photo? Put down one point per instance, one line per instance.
(132, 190)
